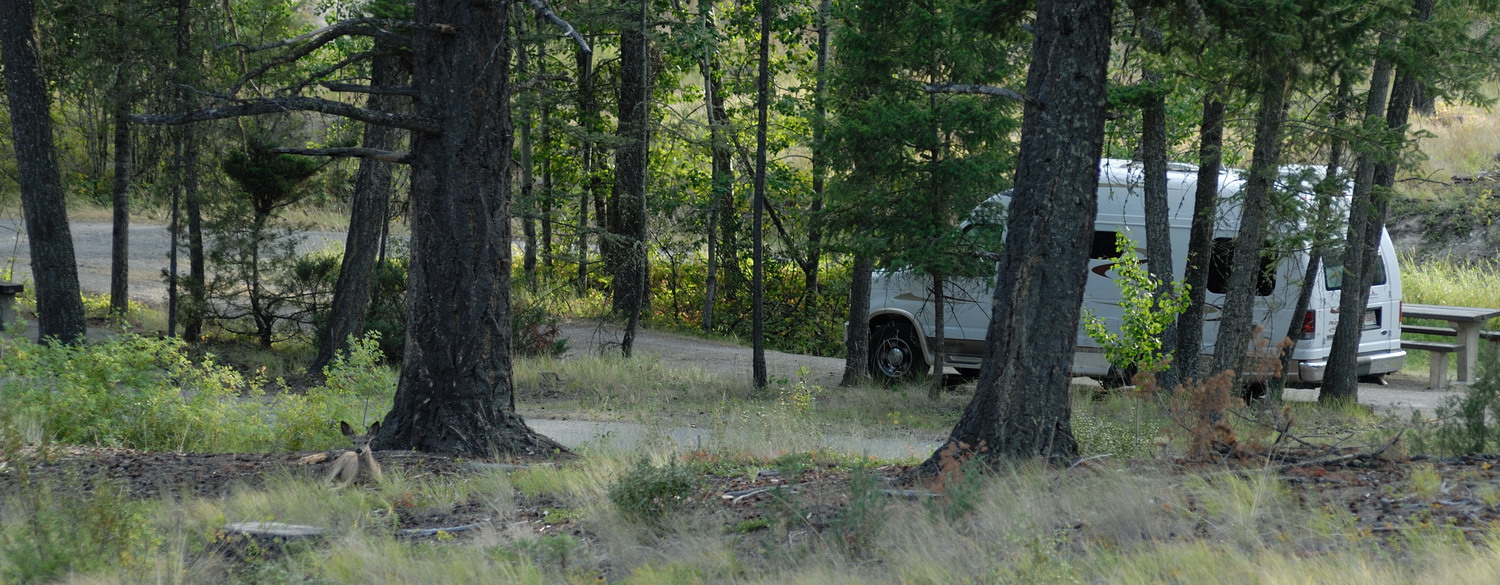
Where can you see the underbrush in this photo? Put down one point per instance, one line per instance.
(659, 518)
(144, 393)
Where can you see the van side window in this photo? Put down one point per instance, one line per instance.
(1333, 270)
(1220, 262)
(1104, 247)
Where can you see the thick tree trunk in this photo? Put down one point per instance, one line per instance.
(1235, 331)
(1020, 409)
(58, 306)
(456, 389)
(1200, 240)
(627, 224)
(1341, 377)
(372, 194)
(1158, 230)
(119, 252)
(857, 333)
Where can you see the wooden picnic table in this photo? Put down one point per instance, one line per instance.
(1466, 321)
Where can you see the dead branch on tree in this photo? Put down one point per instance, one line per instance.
(369, 89)
(350, 152)
(291, 104)
(546, 12)
(974, 89)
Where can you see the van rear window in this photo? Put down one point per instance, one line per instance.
(1220, 262)
(1333, 270)
(1105, 246)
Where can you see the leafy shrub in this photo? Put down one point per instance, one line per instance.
(147, 394)
(1464, 424)
(648, 493)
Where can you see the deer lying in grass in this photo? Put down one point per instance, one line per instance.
(346, 468)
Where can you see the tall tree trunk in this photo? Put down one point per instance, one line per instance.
(1020, 409)
(528, 204)
(456, 389)
(1235, 330)
(628, 209)
(58, 306)
(757, 286)
(353, 291)
(545, 197)
(723, 254)
(810, 265)
(1368, 210)
(1158, 228)
(1325, 192)
(197, 284)
(119, 267)
(857, 333)
(1201, 238)
(588, 119)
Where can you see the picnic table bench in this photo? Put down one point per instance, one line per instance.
(1464, 323)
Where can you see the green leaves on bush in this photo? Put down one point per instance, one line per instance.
(648, 493)
(144, 393)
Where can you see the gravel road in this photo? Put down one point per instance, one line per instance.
(149, 248)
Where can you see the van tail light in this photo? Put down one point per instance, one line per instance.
(1309, 324)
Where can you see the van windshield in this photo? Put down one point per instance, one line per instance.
(1333, 270)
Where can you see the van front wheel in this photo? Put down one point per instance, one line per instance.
(895, 354)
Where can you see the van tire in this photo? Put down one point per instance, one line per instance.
(895, 354)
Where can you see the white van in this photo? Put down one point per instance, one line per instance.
(900, 318)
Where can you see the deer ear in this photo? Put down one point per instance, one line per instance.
(346, 429)
(375, 428)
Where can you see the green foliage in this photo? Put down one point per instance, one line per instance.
(648, 493)
(52, 530)
(1463, 424)
(271, 180)
(1147, 311)
(148, 394)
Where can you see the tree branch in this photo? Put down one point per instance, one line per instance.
(968, 88)
(331, 69)
(372, 27)
(290, 104)
(370, 89)
(542, 10)
(350, 152)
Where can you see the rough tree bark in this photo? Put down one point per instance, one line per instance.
(810, 265)
(1367, 214)
(58, 306)
(588, 120)
(626, 244)
(1020, 408)
(372, 193)
(1235, 331)
(119, 250)
(1200, 240)
(758, 374)
(456, 387)
(1158, 230)
(857, 334)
